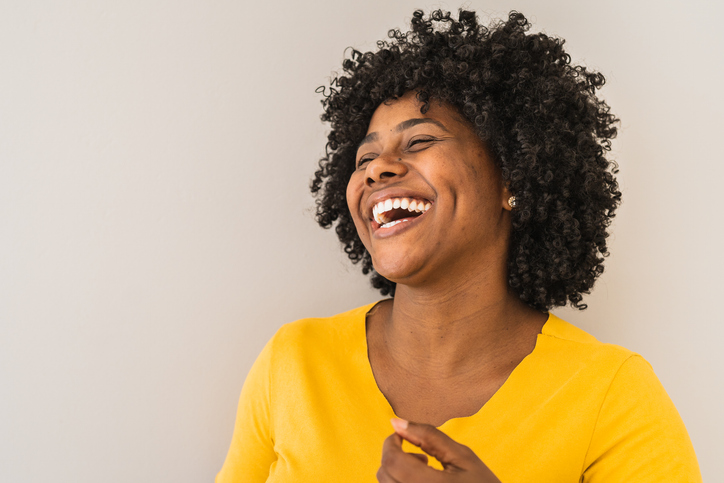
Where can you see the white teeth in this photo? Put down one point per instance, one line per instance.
(392, 223)
(379, 210)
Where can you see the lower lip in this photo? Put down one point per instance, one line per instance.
(380, 232)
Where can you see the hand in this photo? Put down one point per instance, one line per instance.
(460, 463)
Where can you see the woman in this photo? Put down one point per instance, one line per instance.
(466, 171)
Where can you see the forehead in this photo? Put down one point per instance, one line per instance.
(392, 112)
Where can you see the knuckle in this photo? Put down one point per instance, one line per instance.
(395, 465)
(380, 475)
(388, 459)
(426, 433)
(428, 448)
(467, 452)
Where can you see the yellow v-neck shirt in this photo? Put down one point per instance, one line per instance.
(574, 410)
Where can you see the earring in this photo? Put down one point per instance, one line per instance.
(512, 202)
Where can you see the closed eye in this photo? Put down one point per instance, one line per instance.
(420, 142)
(364, 160)
(416, 144)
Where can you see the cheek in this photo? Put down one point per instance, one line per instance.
(352, 194)
(354, 197)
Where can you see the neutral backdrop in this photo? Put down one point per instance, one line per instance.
(156, 227)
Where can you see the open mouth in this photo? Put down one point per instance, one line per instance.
(392, 211)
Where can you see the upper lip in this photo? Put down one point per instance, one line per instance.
(385, 194)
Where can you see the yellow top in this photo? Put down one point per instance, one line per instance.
(574, 410)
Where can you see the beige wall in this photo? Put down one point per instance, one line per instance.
(155, 225)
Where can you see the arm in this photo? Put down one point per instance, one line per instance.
(639, 435)
(252, 447)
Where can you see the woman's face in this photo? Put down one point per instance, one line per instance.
(436, 164)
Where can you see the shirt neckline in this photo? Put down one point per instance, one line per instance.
(516, 378)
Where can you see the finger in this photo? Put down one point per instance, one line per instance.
(384, 477)
(403, 466)
(420, 456)
(396, 440)
(435, 443)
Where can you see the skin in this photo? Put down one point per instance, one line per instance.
(454, 331)
(460, 463)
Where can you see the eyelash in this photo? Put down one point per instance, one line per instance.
(412, 143)
(420, 140)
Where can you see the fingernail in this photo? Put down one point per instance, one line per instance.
(399, 424)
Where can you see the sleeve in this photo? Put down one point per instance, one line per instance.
(639, 435)
(252, 446)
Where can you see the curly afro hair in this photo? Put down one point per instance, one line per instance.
(537, 113)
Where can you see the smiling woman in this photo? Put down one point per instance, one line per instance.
(434, 159)
(466, 170)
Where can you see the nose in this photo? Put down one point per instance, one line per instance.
(384, 168)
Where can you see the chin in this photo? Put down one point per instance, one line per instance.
(396, 269)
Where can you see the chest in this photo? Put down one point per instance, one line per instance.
(348, 428)
(431, 401)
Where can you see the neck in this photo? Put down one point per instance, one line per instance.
(449, 331)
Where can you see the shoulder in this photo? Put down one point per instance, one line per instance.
(569, 356)
(317, 341)
(575, 345)
(621, 375)
(316, 331)
(637, 435)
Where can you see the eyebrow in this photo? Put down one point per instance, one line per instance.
(373, 136)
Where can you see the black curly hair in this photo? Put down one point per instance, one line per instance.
(537, 113)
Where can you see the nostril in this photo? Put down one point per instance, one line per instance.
(380, 176)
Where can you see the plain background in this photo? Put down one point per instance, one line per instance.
(156, 227)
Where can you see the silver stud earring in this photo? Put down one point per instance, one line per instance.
(512, 202)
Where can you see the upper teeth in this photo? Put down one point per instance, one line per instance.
(409, 204)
